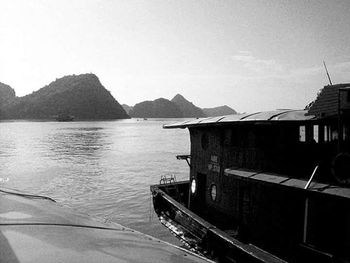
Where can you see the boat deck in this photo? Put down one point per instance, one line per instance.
(36, 229)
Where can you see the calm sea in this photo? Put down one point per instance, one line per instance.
(103, 169)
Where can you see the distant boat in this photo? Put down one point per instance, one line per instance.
(64, 117)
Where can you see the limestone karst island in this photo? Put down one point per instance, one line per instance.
(84, 97)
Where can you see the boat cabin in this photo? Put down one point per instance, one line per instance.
(277, 179)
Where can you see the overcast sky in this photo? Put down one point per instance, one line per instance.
(250, 55)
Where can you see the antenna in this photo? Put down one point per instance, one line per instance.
(329, 78)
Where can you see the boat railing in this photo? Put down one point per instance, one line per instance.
(167, 180)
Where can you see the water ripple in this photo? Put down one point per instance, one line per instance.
(103, 169)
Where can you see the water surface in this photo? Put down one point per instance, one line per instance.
(103, 169)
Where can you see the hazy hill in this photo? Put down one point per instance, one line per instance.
(219, 111)
(187, 108)
(178, 107)
(7, 94)
(127, 108)
(82, 96)
(159, 108)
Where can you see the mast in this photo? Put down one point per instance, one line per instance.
(329, 78)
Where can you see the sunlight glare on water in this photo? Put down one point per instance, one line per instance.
(103, 169)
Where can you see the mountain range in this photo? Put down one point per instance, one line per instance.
(159, 108)
(177, 107)
(219, 111)
(84, 97)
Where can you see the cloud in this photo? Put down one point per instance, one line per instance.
(343, 66)
(303, 72)
(339, 72)
(263, 66)
(272, 69)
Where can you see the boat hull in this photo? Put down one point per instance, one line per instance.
(307, 225)
(199, 234)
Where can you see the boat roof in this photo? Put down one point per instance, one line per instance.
(36, 229)
(281, 115)
(327, 101)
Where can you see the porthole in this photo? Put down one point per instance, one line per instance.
(193, 186)
(204, 141)
(213, 192)
(340, 168)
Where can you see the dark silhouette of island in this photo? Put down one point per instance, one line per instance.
(188, 109)
(81, 96)
(7, 95)
(219, 111)
(178, 107)
(84, 98)
(127, 108)
(159, 108)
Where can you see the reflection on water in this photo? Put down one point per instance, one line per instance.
(7, 148)
(77, 144)
(99, 168)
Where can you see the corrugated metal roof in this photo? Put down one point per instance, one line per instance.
(276, 115)
(326, 103)
(264, 116)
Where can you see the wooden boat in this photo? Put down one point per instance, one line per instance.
(266, 187)
(64, 117)
(36, 229)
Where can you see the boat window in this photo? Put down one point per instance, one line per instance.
(193, 186)
(326, 133)
(334, 135)
(204, 141)
(302, 135)
(213, 192)
(316, 133)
